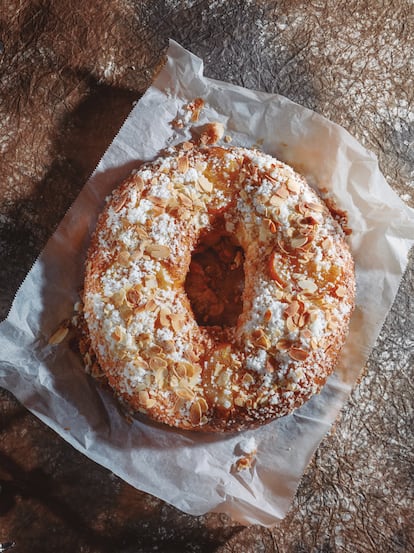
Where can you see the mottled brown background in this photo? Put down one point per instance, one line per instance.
(70, 72)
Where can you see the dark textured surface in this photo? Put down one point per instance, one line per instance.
(69, 74)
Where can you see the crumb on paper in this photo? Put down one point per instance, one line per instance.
(246, 450)
(190, 113)
(195, 108)
(211, 133)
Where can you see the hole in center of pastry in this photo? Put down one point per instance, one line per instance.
(215, 280)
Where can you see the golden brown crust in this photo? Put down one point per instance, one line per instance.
(297, 299)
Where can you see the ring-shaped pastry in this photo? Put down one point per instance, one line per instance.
(157, 355)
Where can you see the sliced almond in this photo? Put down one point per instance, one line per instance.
(133, 296)
(185, 200)
(205, 184)
(269, 177)
(160, 202)
(195, 413)
(159, 377)
(283, 345)
(326, 244)
(282, 192)
(164, 316)
(240, 401)
(120, 203)
(319, 208)
(306, 333)
(203, 404)
(182, 164)
(298, 354)
(138, 181)
(145, 399)
(271, 225)
(177, 321)
(276, 201)
(184, 392)
(267, 316)
(299, 241)
(117, 334)
(196, 106)
(274, 272)
(247, 379)
(187, 146)
(314, 344)
(282, 247)
(169, 346)
(263, 342)
(180, 370)
(156, 363)
(293, 186)
(158, 251)
(58, 336)
(308, 286)
(290, 324)
(119, 297)
(291, 309)
(123, 257)
(340, 291)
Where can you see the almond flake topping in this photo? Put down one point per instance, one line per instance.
(283, 344)
(340, 291)
(123, 257)
(293, 186)
(271, 225)
(158, 251)
(276, 201)
(292, 309)
(282, 192)
(177, 321)
(185, 200)
(187, 146)
(182, 164)
(156, 363)
(145, 399)
(58, 336)
(205, 184)
(298, 354)
(120, 203)
(308, 286)
(299, 241)
(319, 208)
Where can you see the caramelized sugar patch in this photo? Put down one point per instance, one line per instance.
(215, 281)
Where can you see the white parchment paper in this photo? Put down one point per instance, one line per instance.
(193, 471)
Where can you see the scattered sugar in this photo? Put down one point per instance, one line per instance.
(140, 214)
(257, 361)
(164, 231)
(318, 326)
(161, 190)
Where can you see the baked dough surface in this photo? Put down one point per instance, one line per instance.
(297, 297)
